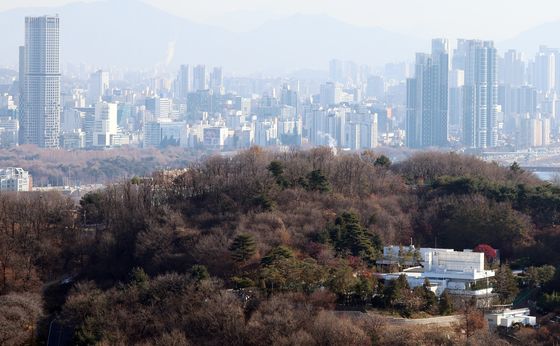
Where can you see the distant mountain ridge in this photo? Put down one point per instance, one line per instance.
(529, 41)
(130, 33)
(134, 34)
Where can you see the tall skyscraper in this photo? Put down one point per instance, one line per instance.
(480, 126)
(545, 69)
(514, 68)
(183, 82)
(40, 119)
(105, 126)
(427, 98)
(98, 86)
(21, 100)
(330, 94)
(199, 78)
(217, 80)
(375, 87)
(456, 83)
(289, 97)
(336, 71)
(459, 55)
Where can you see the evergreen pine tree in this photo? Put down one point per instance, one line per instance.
(316, 181)
(445, 304)
(243, 248)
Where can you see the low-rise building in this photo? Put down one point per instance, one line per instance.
(14, 179)
(511, 318)
(461, 273)
(9, 130)
(215, 137)
(73, 140)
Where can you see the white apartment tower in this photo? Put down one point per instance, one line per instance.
(427, 120)
(40, 117)
(480, 125)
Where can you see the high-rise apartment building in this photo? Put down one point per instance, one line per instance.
(545, 69)
(217, 81)
(199, 78)
(336, 71)
(40, 117)
(456, 83)
(375, 87)
(330, 94)
(361, 130)
(289, 97)
(513, 68)
(459, 55)
(427, 98)
(183, 82)
(480, 126)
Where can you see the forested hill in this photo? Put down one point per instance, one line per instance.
(79, 167)
(258, 248)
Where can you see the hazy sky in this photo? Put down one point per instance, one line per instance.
(492, 19)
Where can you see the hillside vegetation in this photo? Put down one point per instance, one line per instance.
(258, 248)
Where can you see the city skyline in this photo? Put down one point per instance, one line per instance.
(466, 96)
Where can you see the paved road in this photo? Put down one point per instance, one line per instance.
(439, 321)
(442, 321)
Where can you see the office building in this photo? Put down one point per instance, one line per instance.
(98, 86)
(40, 118)
(9, 130)
(480, 126)
(159, 107)
(215, 137)
(73, 140)
(105, 126)
(165, 133)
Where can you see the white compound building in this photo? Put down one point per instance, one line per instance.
(458, 272)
